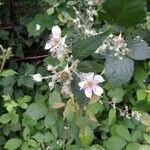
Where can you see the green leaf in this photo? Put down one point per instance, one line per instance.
(50, 119)
(41, 20)
(50, 61)
(13, 144)
(8, 72)
(89, 66)
(123, 132)
(36, 111)
(139, 50)
(78, 94)
(118, 71)
(54, 97)
(86, 47)
(133, 146)
(117, 93)
(26, 133)
(28, 121)
(115, 143)
(142, 105)
(5, 118)
(30, 70)
(95, 108)
(141, 94)
(147, 138)
(86, 136)
(8, 81)
(26, 81)
(124, 12)
(96, 147)
(25, 98)
(145, 119)
(136, 135)
(144, 147)
(140, 74)
(112, 117)
(39, 137)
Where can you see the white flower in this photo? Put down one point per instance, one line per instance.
(37, 77)
(90, 84)
(56, 43)
(38, 27)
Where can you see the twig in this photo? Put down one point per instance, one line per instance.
(33, 57)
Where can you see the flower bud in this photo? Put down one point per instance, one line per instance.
(50, 67)
(51, 85)
(37, 77)
(65, 90)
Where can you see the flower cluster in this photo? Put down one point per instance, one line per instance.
(115, 45)
(58, 48)
(84, 20)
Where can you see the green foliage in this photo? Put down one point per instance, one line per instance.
(124, 12)
(115, 142)
(86, 47)
(36, 111)
(117, 93)
(119, 71)
(43, 21)
(13, 144)
(139, 50)
(112, 116)
(34, 116)
(86, 136)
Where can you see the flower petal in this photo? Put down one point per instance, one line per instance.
(62, 41)
(88, 92)
(98, 90)
(98, 79)
(48, 45)
(89, 76)
(56, 31)
(81, 84)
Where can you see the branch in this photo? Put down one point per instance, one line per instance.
(33, 57)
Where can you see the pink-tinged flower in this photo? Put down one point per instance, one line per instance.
(56, 43)
(90, 85)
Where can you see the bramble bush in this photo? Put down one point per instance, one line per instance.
(74, 75)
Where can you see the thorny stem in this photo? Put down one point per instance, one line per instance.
(47, 77)
(32, 57)
(6, 54)
(110, 103)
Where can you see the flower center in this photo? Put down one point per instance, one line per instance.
(56, 40)
(90, 84)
